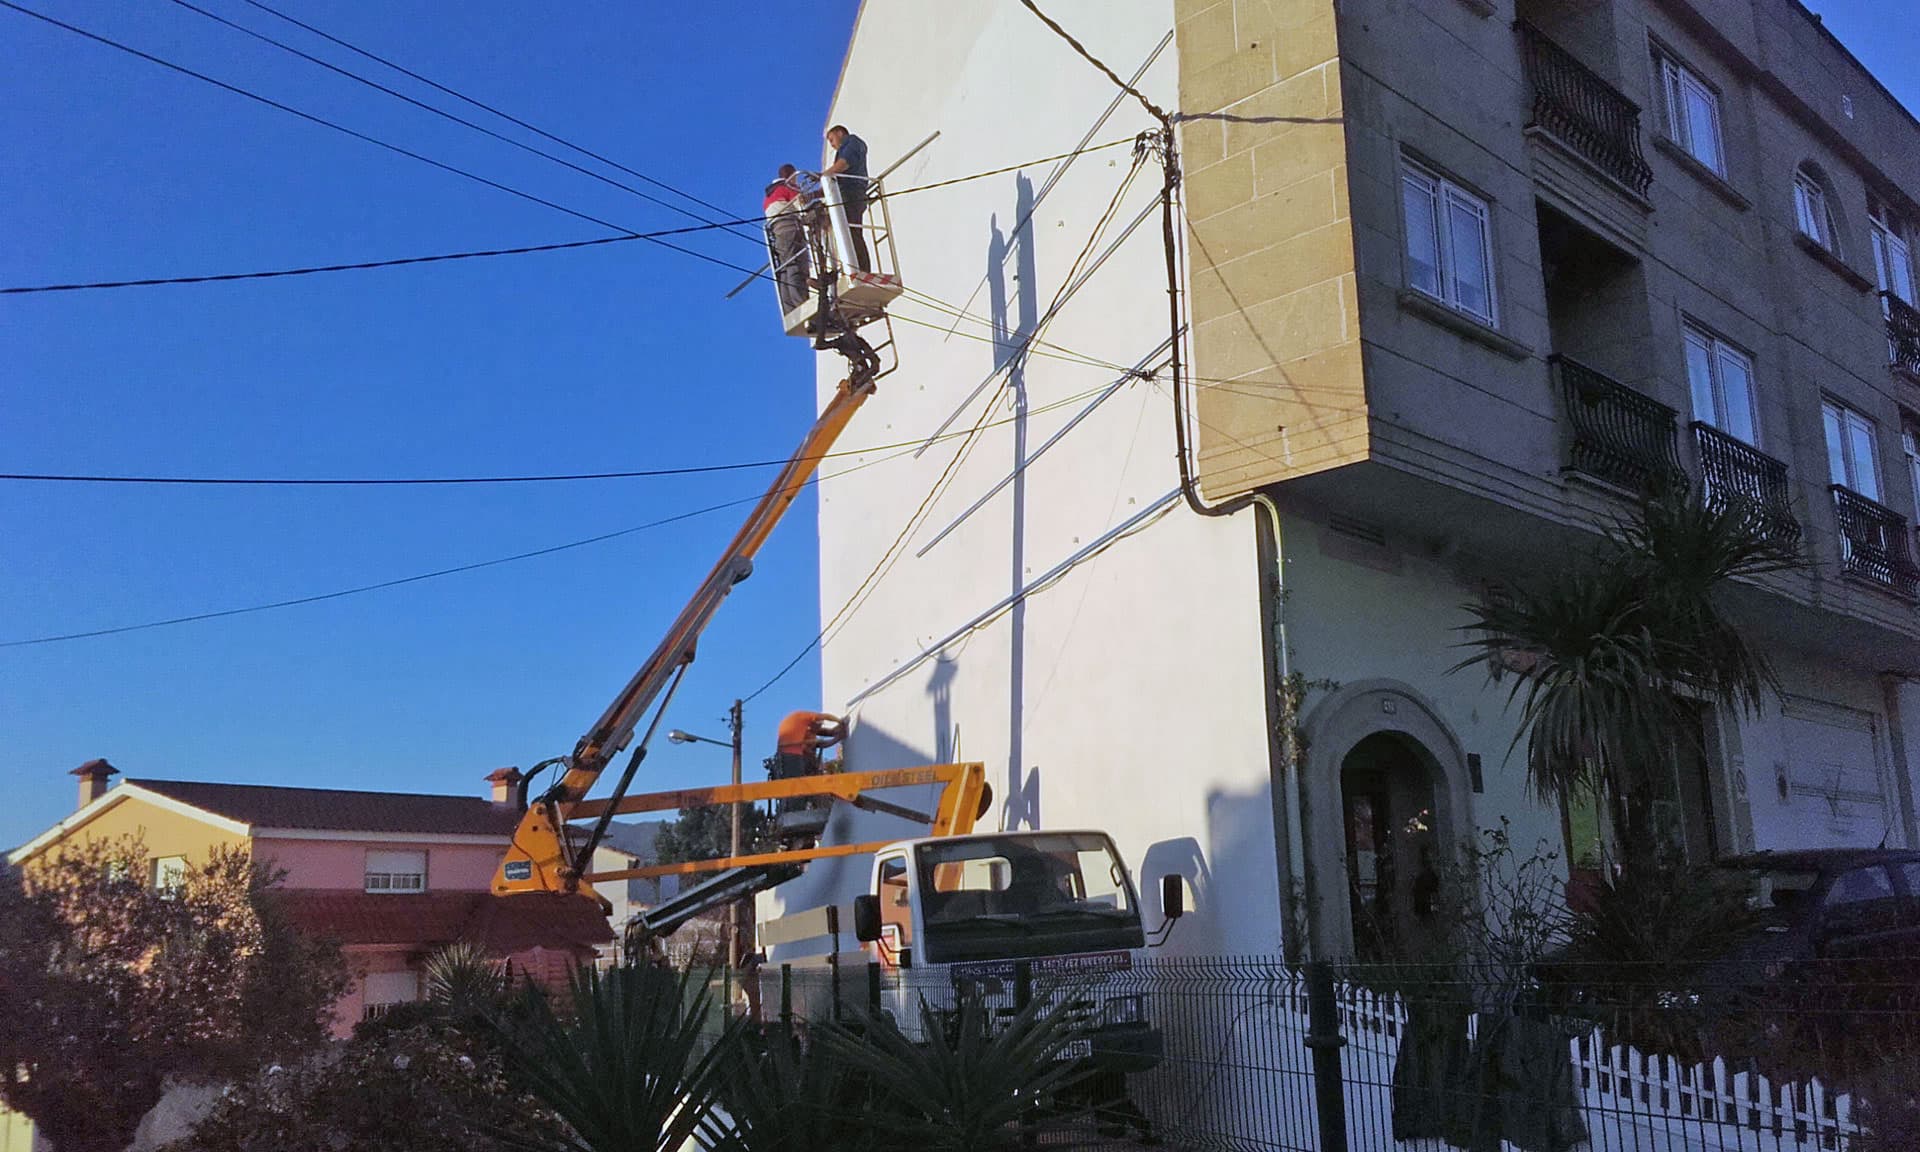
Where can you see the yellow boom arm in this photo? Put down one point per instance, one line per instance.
(963, 786)
(540, 859)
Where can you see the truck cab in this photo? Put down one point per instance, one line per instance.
(1000, 896)
(1009, 917)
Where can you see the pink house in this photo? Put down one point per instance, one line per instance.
(391, 876)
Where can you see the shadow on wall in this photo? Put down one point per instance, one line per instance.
(868, 748)
(946, 736)
(878, 750)
(1015, 317)
(1233, 905)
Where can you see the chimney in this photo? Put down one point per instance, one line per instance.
(93, 780)
(506, 785)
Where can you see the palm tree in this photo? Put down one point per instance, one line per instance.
(1608, 652)
(631, 1066)
(782, 1096)
(968, 1079)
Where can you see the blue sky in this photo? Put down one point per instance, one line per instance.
(602, 359)
(608, 358)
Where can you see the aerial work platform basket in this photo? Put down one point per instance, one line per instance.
(840, 295)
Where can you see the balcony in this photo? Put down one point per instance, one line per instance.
(1873, 542)
(1620, 436)
(1903, 333)
(1739, 476)
(1580, 109)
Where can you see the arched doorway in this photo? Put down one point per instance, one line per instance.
(1383, 794)
(1393, 862)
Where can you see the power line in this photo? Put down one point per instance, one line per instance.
(1069, 285)
(895, 451)
(537, 478)
(398, 95)
(887, 194)
(358, 135)
(361, 266)
(420, 576)
(484, 107)
(624, 237)
(1153, 109)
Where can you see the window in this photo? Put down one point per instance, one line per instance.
(1910, 447)
(396, 871)
(896, 908)
(1721, 378)
(1690, 110)
(1449, 243)
(1860, 886)
(1892, 258)
(1812, 210)
(382, 990)
(1850, 457)
(169, 873)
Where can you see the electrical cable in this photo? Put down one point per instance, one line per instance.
(420, 576)
(361, 266)
(898, 452)
(888, 195)
(358, 135)
(1068, 286)
(1011, 364)
(624, 237)
(537, 478)
(1153, 110)
(484, 107)
(500, 136)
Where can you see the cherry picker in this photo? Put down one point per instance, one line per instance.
(998, 909)
(547, 853)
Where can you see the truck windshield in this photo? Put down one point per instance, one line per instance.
(1025, 894)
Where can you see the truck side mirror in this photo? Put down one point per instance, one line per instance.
(866, 918)
(1173, 896)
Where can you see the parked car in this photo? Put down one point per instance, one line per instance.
(1827, 904)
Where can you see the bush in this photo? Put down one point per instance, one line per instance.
(426, 1087)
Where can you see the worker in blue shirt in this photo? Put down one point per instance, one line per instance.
(849, 167)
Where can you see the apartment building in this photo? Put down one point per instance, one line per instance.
(1460, 276)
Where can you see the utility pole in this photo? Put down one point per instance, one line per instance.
(735, 915)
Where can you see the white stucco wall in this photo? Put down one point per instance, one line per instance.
(1128, 694)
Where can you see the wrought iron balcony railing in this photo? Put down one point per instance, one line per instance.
(1619, 435)
(1585, 112)
(1873, 542)
(1903, 332)
(1737, 475)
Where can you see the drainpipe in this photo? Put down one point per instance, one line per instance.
(1290, 780)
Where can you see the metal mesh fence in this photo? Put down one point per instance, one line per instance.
(1251, 1053)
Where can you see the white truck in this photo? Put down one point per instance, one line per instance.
(1004, 917)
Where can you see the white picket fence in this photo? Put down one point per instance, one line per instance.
(1632, 1101)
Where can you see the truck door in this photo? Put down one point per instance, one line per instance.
(896, 912)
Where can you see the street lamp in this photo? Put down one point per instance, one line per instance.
(679, 737)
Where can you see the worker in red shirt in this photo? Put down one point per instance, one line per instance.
(800, 739)
(785, 210)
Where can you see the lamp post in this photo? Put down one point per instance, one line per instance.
(733, 848)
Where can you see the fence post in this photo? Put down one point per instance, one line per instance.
(1324, 1038)
(786, 997)
(873, 987)
(833, 959)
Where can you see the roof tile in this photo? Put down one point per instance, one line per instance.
(339, 810)
(500, 924)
